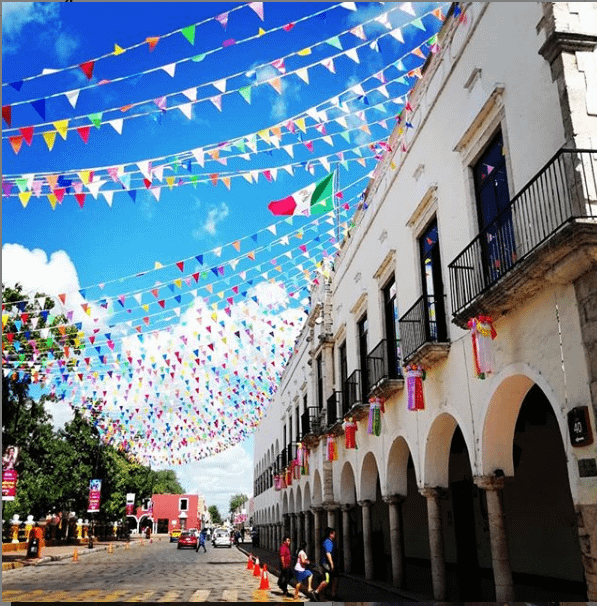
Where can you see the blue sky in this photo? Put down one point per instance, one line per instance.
(73, 249)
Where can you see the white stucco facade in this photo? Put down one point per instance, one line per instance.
(492, 74)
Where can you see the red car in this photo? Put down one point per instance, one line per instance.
(187, 539)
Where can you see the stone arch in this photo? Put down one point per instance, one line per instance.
(277, 512)
(437, 450)
(501, 413)
(291, 501)
(369, 475)
(347, 485)
(307, 497)
(285, 504)
(317, 490)
(298, 500)
(396, 480)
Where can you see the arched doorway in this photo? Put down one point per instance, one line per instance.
(539, 511)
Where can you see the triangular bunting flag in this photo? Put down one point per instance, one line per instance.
(152, 41)
(72, 96)
(276, 84)
(245, 92)
(189, 33)
(24, 198)
(6, 113)
(170, 69)
(84, 132)
(186, 109)
(258, 8)
(39, 106)
(217, 101)
(303, 74)
(116, 125)
(87, 68)
(49, 138)
(190, 93)
(16, 142)
(220, 85)
(335, 42)
(352, 53)
(118, 50)
(27, 133)
(96, 118)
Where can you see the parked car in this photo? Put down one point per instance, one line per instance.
(174, 534)
(187, 539)
(221, 537)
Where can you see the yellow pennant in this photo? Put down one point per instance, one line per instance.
(261, 32)
(84, 176)
(49, 137)
(304, 52)
(178, 282)
(61, 127)
(118, 50)
(300, 122)
(264, 134)
(24, 198)
(170, 182)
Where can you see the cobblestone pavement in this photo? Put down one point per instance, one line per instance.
(147, 572)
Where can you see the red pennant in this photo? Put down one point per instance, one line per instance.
(147, 183)
(27, 133)
(7, 113)
(62, 298)
(87, 68)
(84, 132)
(59, 193)
(196, 277)
(288, 27)
(162, 303)
(80, 198)
(180, 265)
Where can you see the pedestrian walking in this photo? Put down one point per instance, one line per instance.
(242, 534)
(285, 566)
(301, 572)
(201, 542)
(329, 565)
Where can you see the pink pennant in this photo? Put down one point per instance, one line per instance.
(222, 19)
(258, 8)
(161, 103)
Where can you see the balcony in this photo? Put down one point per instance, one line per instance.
(423, 332)
(334, 419)
(354, 403)
(548, 233)
(383, 366)
(311, 426)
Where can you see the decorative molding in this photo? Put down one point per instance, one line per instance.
(360, 305)
(425, 209)
(566, 42)
(387, 265)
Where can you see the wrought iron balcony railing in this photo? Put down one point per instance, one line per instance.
(352, 392)
(424, 322)
(384, 362)
(565, 189)
(310, 421)
(334, 406)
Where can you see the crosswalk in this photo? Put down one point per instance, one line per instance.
(130, 595)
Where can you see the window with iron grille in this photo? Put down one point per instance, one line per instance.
(391, 327)
(319, 370)
(363, 330)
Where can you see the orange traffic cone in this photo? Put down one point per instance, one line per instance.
(250, 563)
(75, 556)
(264, 579)
(110, 548)
(256, 570)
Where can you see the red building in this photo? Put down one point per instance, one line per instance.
(168, 511)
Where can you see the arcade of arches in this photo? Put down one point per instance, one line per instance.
(512, 536)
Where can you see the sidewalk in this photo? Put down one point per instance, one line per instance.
(18, 559)
(351, 588)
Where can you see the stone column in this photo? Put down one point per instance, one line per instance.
(285, 526)
(309, 536)
(436, 540)
(316, 529)
(292, 528)
(394, 505)
(502, 573)
(346, 538)
(270, 535)
(367, 546)
(301, 528)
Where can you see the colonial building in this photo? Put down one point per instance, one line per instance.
(457, 332)
(165, 512)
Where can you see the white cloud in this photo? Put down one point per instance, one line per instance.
(215, 215)
(219, 477)
(65, 46)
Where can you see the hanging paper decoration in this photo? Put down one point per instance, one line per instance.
(350, 429)
(375, 409)
(296, 469)
(415, 375)
(277, 483)
(288, 474)
(303, 458)
(332, 449)
(482, 335)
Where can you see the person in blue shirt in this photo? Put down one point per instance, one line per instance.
(201, 542)
(328, 564)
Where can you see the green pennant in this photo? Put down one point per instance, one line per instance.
(189, 33)
(194, 180)
(335, 41)
(344, 164)
(22, 184)
(346, 135)
(418, 23)
(357, 151)
(245, 92)
(240, 144)
(290, 220)
(96, 119)
(402, 80)
(198, 58)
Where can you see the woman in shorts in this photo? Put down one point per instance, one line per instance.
(301, 572)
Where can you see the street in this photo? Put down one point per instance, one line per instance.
(147, 572)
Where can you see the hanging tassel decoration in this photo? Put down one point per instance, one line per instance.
(350, 429)
(415, 375)
(296, 469)
(482, 335)
(332, 449)
(374, 425)
(289, 475)
(277, 483)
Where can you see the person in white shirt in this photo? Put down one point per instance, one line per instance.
(301, 572)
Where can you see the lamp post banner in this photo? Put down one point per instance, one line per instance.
(95, 488)
(9, 473)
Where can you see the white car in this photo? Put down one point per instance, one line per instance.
(221, 538)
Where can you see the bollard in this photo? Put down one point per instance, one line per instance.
(126, 545)
(250, 563)
(264, 579)
(75, 556)
(256, 570)
(110, 548)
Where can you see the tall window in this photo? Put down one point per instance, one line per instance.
(343, 373)
(319, 368)
(493, 209)
(433, 287)
(183, 504)
(363, 329)
(390, 306)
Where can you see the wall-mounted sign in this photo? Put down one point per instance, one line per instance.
(579, 426)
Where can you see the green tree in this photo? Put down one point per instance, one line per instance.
(238, 500)
(215, 514)
(166, 482)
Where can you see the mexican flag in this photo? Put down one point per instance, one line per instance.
(315, 199)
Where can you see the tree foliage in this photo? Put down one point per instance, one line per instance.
(238, 500)
(214, 514)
